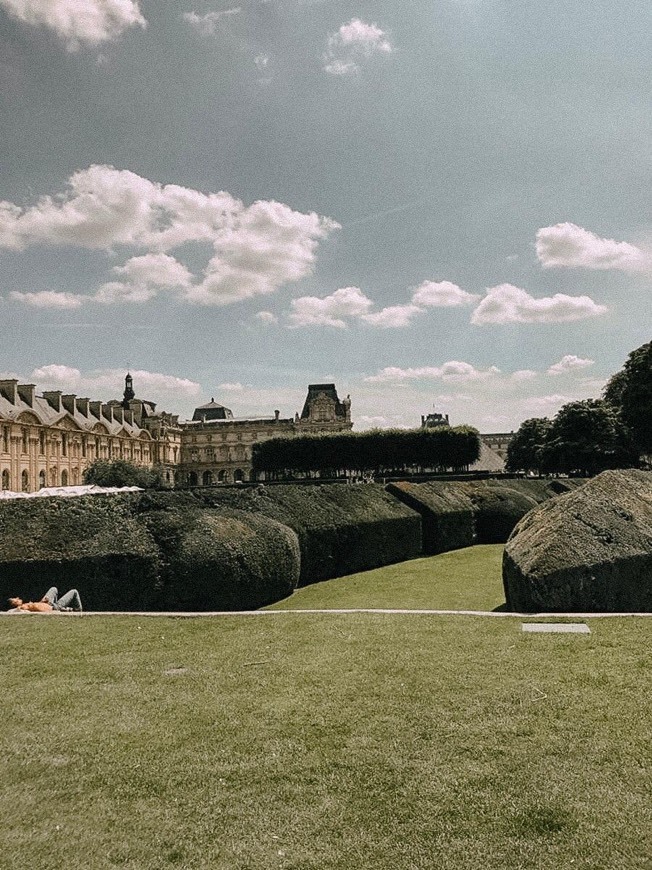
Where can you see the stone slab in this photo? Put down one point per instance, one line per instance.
(561, 627)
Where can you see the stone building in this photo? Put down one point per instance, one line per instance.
(49, 440)
(216, 447)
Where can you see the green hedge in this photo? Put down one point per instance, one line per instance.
(220, 559)
(91, 543)
(342, 529)
(446, 513)
(379, 450)
(497, 507)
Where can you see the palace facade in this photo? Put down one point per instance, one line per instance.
(50, 439)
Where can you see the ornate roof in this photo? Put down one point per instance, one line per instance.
(212, 411)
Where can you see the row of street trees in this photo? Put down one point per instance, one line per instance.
(589, 436)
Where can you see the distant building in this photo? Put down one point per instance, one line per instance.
(434, 421)
(217, 447)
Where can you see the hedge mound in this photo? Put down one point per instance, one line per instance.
(341, 529)
(92, 543)
(219, 559)
(446, 513)
(588, 550)
(497, 507)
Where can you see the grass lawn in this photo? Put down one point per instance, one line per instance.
(323, 742)
(468, 579)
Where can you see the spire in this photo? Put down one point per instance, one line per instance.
(129, 391)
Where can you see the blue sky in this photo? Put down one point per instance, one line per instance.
(433, 204)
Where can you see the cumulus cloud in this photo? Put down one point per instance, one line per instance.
(442, 294)
(78, 22)
(108, 383)
(453, 371)
(48, 299)
(569, 363)
(508, 304)
(206, 25)
(257, 248)
(522, 375)
(393, 317)
(353, 42)
(568, 245)
(329, 310)
(267, 317)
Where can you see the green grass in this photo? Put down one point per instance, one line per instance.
(468, 579)
(328, 742)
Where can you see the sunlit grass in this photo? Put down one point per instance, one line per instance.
(323, 742)
(468, 579)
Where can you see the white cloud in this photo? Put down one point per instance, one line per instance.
(569, 363)
(206, 25)
(453, 371)
(77, 22)
(442, 294)
(568, 245)
(267, 317)
(329, 310)
(48, 299)
(257, 248)
(352, 42)
(523, 375)
(544, 406)
(393, 317)
(508, 304)
(231, 388)
(108, 383)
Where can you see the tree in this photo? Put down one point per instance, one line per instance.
(121, 473)
(524, 450)
(585, 437)
(636, 397)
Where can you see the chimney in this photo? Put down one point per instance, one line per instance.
(53, 398)
(27, 393)
(82, 406)
(68, 402)
(9, 391)
(107, 411)
(96, 409)
(277, 414)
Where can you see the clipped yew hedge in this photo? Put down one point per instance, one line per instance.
(447, 513)
(497, 507)
(342, 529)
(219, 559)
(92, 543)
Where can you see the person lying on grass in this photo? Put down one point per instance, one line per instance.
(50, 601)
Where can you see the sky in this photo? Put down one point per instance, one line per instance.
(435, 204)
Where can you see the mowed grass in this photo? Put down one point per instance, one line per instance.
(468, 579)
(316, 742)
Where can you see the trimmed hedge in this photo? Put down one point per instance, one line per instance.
(446, 514)
(342, 529)
(92, 543)
(497, 507)
(220, 559)
(589, 550)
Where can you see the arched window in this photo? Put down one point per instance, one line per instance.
(238, 475)
(207, 479)
(24, 479)
(222, 476)
(64, 478)
(192, 478)
(41, 479)
(5, 479)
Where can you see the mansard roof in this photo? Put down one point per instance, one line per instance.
(327, 389)
(212, 411)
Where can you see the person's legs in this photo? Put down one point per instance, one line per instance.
(70, 599)
(51, 595)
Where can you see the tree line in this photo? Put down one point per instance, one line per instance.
(381, 451)
(589, 436)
